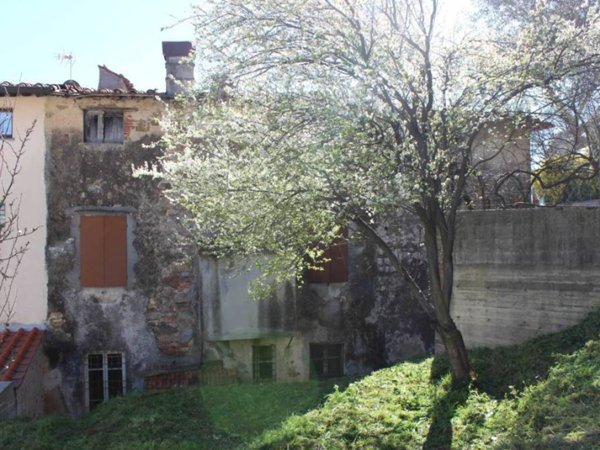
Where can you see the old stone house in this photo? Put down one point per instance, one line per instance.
(129, 304)
(126, 302)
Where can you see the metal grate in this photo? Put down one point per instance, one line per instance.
(263, 359)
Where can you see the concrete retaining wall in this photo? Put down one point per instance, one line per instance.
(523, 273)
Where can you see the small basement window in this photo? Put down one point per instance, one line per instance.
(103, 126)
(263, 362)
(105, 377)
(6, 123)
(326, 361)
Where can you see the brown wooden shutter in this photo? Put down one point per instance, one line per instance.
(338, 266)
(320, 276)
(103, 251)
(91, 254)
(115, 251)
(336, 269)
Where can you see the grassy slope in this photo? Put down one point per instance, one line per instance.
(542, 394)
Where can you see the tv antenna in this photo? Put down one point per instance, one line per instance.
(67, 58)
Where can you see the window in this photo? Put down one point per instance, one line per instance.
(326, 361)
(2, 214)
(6, 123)
(335, 266)
(103, 250)
(103, 126)
(263, 362)
(105, 377)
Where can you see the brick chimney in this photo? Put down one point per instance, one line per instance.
(179, 67)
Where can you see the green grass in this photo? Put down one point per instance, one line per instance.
(210, 417)
(544, 394)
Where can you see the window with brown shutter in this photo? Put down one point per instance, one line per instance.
(103, 250)
(335, 264)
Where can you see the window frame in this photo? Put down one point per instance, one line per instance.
(11, 113)
(105, 369)
(100, 114)
(326, 359)
(257, 362)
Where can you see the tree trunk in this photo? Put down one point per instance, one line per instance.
(457, 353)
(441, 278)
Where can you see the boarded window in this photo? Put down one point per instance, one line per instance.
(105, 377)
(103, 251)
(334, 268)
(103, 126)
(6, 123)
(326, 361)
(263, 362)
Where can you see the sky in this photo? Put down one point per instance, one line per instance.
(124, 35)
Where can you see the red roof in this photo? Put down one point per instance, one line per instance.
(17, 350)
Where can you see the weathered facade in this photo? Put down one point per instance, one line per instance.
(361, 321)
(150, 315)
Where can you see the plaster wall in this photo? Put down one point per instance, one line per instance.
(291, 358)
(30, 285)
(229, 311)
(523, 273)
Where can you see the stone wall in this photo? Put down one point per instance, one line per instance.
(153, 320)
(522, 273)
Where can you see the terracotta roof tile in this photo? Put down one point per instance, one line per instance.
(69, 88)
(17, 350)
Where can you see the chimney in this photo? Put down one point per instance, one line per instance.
(113, 80)
(178, 64)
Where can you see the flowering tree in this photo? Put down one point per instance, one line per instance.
(323, 113)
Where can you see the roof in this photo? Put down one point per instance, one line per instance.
(69, 88)
(176, 48)
(17, 350)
